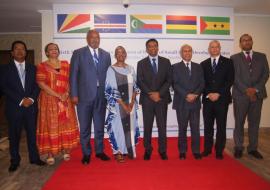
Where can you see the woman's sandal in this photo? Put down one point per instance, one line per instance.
(119, 158)
(66, 157)
(50, 161)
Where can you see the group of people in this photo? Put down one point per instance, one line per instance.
(42, 99)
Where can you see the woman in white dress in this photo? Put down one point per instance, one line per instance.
(120, 92)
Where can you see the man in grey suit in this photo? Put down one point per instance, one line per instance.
(154, 79)
(188, 84)
(251, 75)
(89, 65)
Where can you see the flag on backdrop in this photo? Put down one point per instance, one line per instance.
(215, 25)
(181, 24)
(73, 23)
(146, 24)
(110, 23)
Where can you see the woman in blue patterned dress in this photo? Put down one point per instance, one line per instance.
(121, 121)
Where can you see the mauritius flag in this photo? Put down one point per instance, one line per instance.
(110, 23)
(215, 25)
(73, 23)
(181, 24)
(146, 24)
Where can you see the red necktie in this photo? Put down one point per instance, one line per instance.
(248, 58)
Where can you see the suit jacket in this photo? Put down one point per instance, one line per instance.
(220, 81)
(148, 81)
(183, 84)
(84, 74)
(244, 79)
(14, 91)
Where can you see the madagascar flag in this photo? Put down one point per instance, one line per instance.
(215, 25)
(181, 24)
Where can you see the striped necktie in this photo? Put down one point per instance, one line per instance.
(96, 61)
(214, 66)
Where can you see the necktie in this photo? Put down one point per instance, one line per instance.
(189, 71)
(248, 58)
(154, 65)
(214, 66)
(96, 58)
(22, 74)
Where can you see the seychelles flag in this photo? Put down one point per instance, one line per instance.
(73, 23)
(215, 25)
(110, 23)
(146, 24)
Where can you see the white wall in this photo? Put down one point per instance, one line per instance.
(32, 40)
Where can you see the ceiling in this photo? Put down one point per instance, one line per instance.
(21, 16)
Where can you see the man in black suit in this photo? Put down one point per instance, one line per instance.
(219, 77)
(154, 79)
(21, 90)
(188, 84)
(249, 91)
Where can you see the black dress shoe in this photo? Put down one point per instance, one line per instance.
(85, 159)
(163, 156)
(147, 156)
(197, 156)
(256, 154)
(219, 156)
(39, 163)
(103, 156)
(182, 156)
(238, 154)
(13, 167)
(206, 153)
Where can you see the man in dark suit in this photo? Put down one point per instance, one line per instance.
(89, 66)
(188, 84)
(21, 90)
(251, 75)
(154, 79)
(219, 77)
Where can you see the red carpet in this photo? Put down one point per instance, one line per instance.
(156, 174)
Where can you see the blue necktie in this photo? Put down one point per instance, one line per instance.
(214, 66)
(154, 65)
(95, 59)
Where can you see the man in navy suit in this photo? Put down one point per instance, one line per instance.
(219, 77)
(21, 90)
(89, 66)
(154, 78)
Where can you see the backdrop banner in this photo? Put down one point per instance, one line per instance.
(173, 26)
